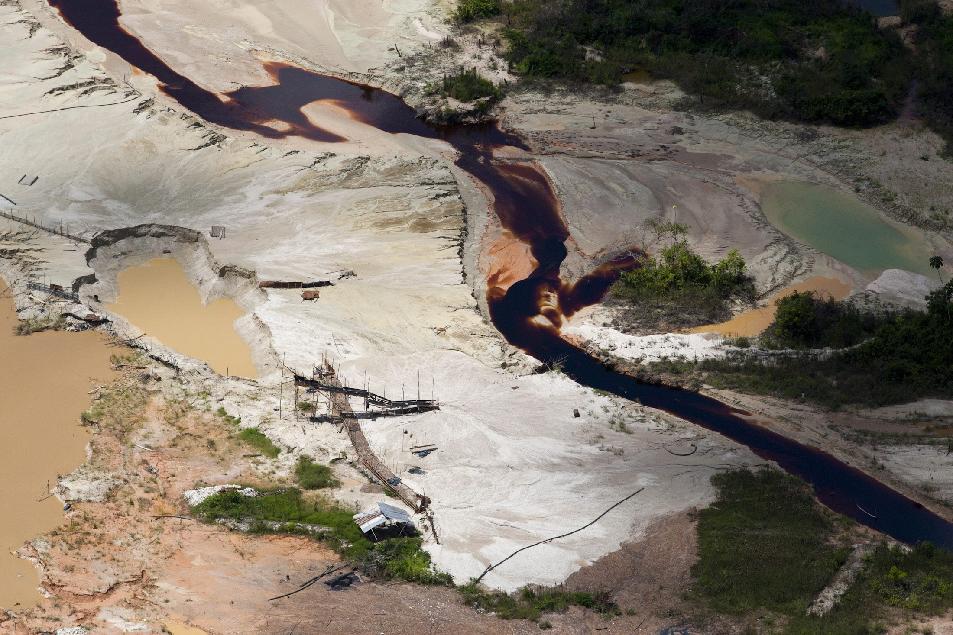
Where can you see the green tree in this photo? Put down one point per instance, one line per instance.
(937, 263)
(796, 319)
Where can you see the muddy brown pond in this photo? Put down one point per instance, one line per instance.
(158, 298)
(45, 379)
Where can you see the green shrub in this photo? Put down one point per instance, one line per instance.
(403, 559)
(683, 282)
(470, 10)
(803, 320)
(311, 475)
(257, 439)
(467, 85)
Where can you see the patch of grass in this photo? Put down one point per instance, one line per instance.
(227, 418)
(471, 10)
(396, 558)
(311, 475)
(530, 603)
(764, 544)
(289, 507)
(257, 439)
(916, 583)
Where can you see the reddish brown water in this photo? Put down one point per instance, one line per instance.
(529, 312)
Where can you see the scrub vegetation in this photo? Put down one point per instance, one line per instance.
(811, 61)
(933, 67)
(766, 549)
(530, 603)
(678, 288)
(397, 558)
(893, 358)
(37, 325)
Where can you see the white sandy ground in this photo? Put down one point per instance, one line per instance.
(650, 348)
(513, 466)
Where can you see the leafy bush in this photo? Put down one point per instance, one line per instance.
(257, 439)
(403, 559)
(803, 320)
(470, 10)
(468, 86)
(686, 285)
(764, 544)
(311, 475)
(920, 582)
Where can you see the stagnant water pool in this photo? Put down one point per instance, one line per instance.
(843, 227)
(527, 207)
(158, 298)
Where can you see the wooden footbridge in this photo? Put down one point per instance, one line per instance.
(325, 381)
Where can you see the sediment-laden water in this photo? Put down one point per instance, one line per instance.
(45, 379)
(158, 298)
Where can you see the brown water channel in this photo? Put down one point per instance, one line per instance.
(529, 312)
(45, 379)
(158, 298)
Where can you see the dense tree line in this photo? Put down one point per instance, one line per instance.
(805, 60)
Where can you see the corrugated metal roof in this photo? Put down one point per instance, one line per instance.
(379, 514)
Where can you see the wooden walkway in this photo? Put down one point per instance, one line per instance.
(342, 408)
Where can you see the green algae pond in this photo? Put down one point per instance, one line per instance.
(844, 228)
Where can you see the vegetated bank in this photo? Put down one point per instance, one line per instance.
(870, 359)
(767, 549)
(678, 289)
(811, 61)
(288, 510)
